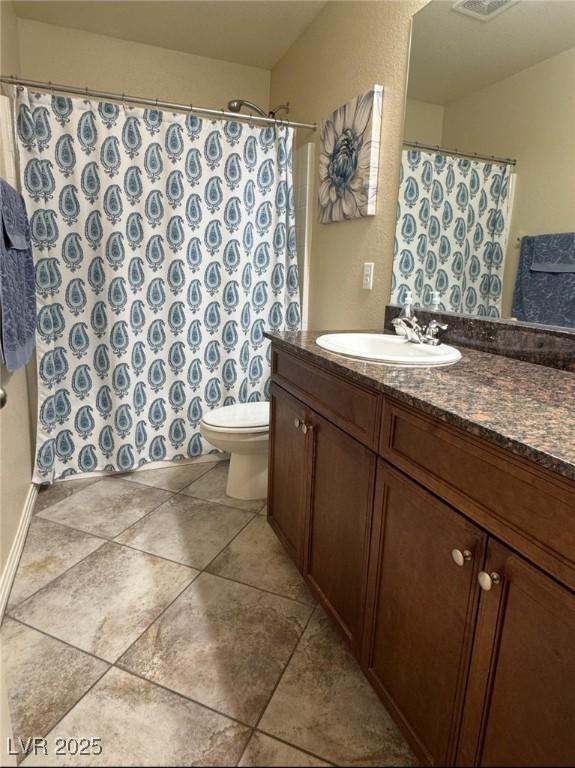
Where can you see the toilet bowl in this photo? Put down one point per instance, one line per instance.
(242, 430)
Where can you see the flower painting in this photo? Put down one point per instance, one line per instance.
(349, 158)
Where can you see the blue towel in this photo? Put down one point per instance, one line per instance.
(545, 284)
(17, 289)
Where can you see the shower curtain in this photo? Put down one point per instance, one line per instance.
(451, 234)
(164, 247)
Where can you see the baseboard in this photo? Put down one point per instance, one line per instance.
(9, 573)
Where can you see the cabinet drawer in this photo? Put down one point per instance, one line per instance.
(522, 504)
(349, 406)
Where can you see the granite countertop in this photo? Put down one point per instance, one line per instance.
(525, 408)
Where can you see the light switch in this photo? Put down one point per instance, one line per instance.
(368, 268)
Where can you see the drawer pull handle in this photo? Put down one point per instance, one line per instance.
(487, 580)
(459, 557)
(297, 423)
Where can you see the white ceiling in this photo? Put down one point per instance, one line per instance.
(452, 55)
(257, 33)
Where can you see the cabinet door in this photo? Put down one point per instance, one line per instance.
(520, 707)
(420, 612)
(341, 500)
(288, 471)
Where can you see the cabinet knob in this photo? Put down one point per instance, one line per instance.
(459, 557)
(487, 580)
(297, 423)
(304, 428)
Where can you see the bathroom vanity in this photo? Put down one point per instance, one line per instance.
(432, 513)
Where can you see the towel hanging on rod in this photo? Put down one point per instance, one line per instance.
(17, 284)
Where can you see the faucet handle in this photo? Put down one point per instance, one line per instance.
(432, 331)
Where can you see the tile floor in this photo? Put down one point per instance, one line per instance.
(159, 615)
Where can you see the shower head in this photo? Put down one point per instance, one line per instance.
(235, 105)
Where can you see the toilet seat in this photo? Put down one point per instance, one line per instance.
(239, 418)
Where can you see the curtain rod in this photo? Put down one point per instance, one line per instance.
(457, 153)
(154, 103)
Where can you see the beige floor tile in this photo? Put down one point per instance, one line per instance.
(52, 494)
(187, 530)
(105, 602)
(256, 557)
(50, 549)
(264, 751)
(221, 643)
(141, 724)
(107, 507)
(172, 478)
(212, 486)
(44, 678)
(325, 705)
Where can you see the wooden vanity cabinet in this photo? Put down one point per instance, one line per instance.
(520, 698)
(320, 501)
(447, 563)
(421, 610)
(289, 467)
(338, 524)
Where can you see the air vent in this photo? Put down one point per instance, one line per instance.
(482, 10)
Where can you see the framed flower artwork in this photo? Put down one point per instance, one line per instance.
(349, 158)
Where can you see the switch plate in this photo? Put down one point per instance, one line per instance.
(367, 282)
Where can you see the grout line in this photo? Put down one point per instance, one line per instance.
(207, 472)
(294, 746)
(151, 624)
(290, 657)
(244, 750)
(10, 608)
(111, 538)
(252, 518)
(67, 712)
(10, 616)
(209, 468)
(223, 503)
(116, 664)
(261, 589)
(59, 639)
(140, 676)
(178, 562)
(63, 483)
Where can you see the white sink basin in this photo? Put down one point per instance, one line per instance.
(383, 348)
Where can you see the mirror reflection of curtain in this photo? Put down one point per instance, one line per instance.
(451, 235)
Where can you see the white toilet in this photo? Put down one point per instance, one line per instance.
(242, 430)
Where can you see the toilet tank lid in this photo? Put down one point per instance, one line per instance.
(240, 415)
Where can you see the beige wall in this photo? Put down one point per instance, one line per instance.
(423, 122)
(81, 58)
(9, 49)
(531, 117)
(15, 418)
(347, 48)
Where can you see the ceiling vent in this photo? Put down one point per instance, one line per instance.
(482, 10)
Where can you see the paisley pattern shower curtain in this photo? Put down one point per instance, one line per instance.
(164, 246)
(452, 229)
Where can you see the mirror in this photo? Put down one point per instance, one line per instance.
(486, 208)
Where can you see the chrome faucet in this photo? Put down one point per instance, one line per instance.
(415, 333)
